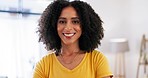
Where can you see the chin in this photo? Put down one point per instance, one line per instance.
(68, 42)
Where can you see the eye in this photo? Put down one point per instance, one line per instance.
(62, 22)
(76, 22)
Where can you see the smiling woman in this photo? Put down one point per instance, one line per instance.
(72, 30)
(68, 26)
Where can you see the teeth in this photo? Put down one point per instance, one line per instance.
(70, 34)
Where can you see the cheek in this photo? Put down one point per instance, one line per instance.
(79, 29)
(59, 28)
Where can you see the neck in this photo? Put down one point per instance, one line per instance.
(70, 49)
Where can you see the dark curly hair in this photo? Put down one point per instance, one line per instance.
(91, 24)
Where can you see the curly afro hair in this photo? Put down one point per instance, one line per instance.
(91, 24)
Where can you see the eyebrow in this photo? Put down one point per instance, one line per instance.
(71, 18)
(75, 18)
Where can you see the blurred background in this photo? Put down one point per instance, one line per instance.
(20, 50)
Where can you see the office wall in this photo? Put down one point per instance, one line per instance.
(19, 48)
(123, 18)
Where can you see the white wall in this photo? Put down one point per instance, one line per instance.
(123, 18)
(19, 48)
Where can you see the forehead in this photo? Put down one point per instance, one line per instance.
(68, 12)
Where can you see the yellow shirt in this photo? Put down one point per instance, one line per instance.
(93, 65)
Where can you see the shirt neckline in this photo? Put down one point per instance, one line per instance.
(71, 70)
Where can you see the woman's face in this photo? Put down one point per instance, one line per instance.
(68, 26)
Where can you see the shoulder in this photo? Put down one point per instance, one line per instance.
(47, 57)
(97, 54)
(42, 67)
(46, 60)
(43, 64)
(101, 64)
(98, 57)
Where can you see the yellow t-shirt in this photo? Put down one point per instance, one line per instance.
(93, 65)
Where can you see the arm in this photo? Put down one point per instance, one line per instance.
(103, 68)
(42, 68)
(38, 71)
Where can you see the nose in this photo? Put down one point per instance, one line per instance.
(68, 26)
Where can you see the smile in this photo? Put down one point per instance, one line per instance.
(68, 34)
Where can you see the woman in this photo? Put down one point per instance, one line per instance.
(72, 30)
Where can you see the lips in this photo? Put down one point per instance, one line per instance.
(68, 34)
